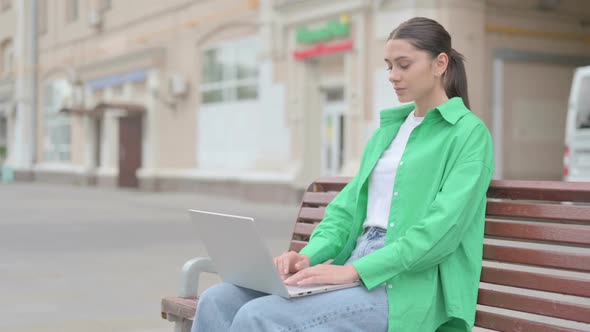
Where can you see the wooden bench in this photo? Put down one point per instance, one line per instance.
(536, 271)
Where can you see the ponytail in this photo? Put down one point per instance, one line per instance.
(455, 78)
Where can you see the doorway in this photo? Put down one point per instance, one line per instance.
(130, 137)
(333, 124)
(98, 142)
(3, 138)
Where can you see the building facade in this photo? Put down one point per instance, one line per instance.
(8, 32)
(257, 98)
(17, 87)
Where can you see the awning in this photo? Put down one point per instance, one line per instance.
(75, 111)
(129, 109)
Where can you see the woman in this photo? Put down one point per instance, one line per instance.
(409, 225)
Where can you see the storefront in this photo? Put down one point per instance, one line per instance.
(326, 61)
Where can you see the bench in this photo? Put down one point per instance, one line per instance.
(536, 270)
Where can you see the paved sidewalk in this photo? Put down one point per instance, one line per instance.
(92, 259)
(78, 259)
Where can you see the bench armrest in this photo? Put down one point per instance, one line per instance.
(191, 271)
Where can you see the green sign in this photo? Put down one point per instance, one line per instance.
(332, 29)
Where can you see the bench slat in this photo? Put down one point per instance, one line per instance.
(537, 281)
(297, 245)
(569, 234)
(565, 234)
(318, 199)
(500, 322)
(540, 190)
(534, 305)
(304, 229)
(540, 257)
(575, 213)
(312, 214)
(332, 183)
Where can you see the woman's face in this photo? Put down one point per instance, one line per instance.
(414, 73)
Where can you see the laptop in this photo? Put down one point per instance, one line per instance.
(241, 258)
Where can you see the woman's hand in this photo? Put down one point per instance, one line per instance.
(324, 274)
(291, 262)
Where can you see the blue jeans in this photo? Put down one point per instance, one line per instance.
(225, 307)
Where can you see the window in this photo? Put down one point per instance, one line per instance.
(43, 16)
(72, 10)
(5, 5)
(230, 72)
(105, 5)
(57, 139)
(7, 58)
(583, 106)
(3, 131)
(3, 137)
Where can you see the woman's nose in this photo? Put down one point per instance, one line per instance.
(394, 76)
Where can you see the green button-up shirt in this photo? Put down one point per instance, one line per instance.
(431, 261)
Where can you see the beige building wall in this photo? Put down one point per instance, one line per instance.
(8, 22)
(275, 145)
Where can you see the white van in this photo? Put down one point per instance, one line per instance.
(576, 161)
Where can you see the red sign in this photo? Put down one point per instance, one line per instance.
(322, 49)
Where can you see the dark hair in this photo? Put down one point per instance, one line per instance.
(428, 35)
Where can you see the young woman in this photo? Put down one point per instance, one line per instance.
(410, 224)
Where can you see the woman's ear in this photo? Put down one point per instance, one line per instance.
(440, 64)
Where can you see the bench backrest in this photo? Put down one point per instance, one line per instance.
(536, 252)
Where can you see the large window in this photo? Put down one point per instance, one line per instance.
(583, 118)
(3, 137)
(57, 126)
(5, 4)
(7, 58)
(229, 72)
(105, 5)
(72, 10)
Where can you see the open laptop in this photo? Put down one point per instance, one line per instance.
(241, 258)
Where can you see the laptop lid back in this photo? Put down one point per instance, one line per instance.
(238, 252)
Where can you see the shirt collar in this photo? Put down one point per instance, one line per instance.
(395, 115)
(452, 110)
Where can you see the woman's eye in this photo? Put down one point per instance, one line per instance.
(404, 66)
(389, 68)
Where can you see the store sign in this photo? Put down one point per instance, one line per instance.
(322, 49)
(332, 29)
(318, 38)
